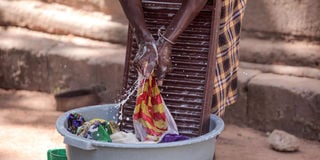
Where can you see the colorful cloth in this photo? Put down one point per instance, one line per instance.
(150, 111)
(227, 62)
(87, 128)
(75, 120)
(96, 129)
(173, 138)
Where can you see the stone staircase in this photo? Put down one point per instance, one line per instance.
(56, 45)
(53, 47)
(280, 68)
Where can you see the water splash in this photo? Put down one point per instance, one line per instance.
(126, 96)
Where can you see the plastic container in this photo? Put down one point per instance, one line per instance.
(57, 154)
(78, 148)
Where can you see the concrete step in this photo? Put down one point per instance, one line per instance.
(271, 101)
(61, 19)
(273, 18)
(109, 7)
(296, 71)
(297, 53)
(37, 61)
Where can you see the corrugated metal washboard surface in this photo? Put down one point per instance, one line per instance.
(187, 90)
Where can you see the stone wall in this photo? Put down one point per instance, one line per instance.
(283, 32)
(273, 18)
(36, 61)
(282, 38)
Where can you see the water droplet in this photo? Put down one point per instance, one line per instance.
(245, 73)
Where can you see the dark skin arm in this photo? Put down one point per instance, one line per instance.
(146, 57)
(188, 11)
(134, 12)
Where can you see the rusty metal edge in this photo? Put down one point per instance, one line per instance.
(127, 60)
(211, 62)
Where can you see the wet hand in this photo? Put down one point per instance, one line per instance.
(146, 58)
(164, 60)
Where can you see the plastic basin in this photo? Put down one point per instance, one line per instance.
(78, 148)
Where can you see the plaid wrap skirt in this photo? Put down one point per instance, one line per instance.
(227, 62)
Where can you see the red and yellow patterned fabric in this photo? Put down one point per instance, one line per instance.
(150, 109)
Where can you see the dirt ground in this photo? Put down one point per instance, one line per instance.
(27, 131)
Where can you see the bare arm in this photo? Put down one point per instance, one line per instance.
(134, 13)
(188, 11)
(146, 56)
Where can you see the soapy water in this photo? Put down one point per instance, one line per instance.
(142, 51)
(126, 96)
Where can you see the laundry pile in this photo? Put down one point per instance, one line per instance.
(152, 121)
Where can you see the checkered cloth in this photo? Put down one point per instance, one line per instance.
(227, 64)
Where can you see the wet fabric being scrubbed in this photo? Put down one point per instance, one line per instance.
(151, 118)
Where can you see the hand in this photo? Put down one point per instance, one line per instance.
(164, 59)
(146, 58)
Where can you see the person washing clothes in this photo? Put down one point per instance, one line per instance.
(156, 53)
